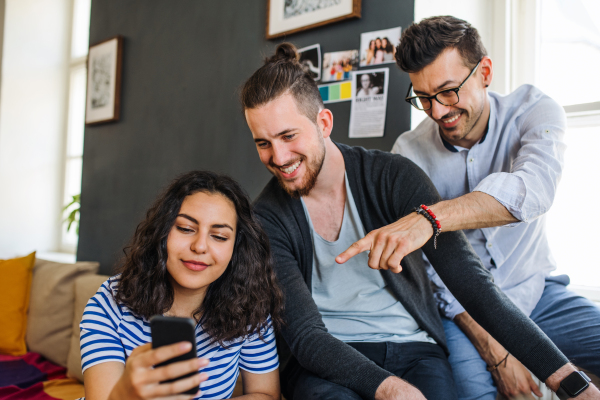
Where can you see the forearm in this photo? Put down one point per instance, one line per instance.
(471, 211)
(488, 348)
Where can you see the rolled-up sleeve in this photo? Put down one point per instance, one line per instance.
(528, 190)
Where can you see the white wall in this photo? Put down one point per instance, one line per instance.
(33, 97)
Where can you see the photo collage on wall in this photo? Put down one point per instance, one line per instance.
(348, 75)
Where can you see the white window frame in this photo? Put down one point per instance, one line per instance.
(74, 64)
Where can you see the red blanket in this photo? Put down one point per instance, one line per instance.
(33, 377)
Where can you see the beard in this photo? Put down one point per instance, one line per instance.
(469, 123)
(313, 168)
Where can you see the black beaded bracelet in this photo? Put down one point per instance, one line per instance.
(435, 224)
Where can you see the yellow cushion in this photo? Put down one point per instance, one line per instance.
(15, 284)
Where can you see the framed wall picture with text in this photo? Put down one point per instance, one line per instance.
(285, 17)
(103, 95)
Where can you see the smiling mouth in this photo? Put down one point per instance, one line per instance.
(290, 169)
(195, 265)
(451, 120)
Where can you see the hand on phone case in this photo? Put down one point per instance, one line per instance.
(141, 380)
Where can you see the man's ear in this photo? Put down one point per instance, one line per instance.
(325, 122)
(487, 71)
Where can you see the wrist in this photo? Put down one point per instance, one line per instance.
(388, 388)
(499, 364)
(495, 353)
(430, 216)
(553, 381)
(569, 383)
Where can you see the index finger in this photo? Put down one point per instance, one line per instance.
(355, 248)
(164, 353)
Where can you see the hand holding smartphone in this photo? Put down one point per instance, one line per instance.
(171, 330)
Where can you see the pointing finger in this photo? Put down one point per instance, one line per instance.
(355, 248)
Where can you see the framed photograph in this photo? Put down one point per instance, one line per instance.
(310, 58)
(379, 47)
(285, 17)
(103, 95)
(338, 65)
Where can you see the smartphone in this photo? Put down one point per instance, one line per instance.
(170, 330)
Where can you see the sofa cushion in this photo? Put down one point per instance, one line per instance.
(85, 287)
(15, 285)
(50, 320)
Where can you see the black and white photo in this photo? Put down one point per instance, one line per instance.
(369, 83)
(104, 81)
(369, 103)
(310, 59)
(285, 17)
(293, 8)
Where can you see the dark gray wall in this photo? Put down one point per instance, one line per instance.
(183, 64)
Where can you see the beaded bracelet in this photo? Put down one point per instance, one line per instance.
(437, 227)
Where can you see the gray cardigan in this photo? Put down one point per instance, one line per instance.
(385, 188)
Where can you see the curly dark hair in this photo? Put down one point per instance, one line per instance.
(422, 43)
(240, 301)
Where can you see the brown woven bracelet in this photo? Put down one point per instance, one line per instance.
(495, 367)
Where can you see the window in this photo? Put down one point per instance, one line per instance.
(76, 113)
(569, 51)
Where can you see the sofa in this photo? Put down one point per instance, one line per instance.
(42, 303)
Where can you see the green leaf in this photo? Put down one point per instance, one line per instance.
(72, 217)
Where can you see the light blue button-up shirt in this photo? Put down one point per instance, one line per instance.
(519, 162)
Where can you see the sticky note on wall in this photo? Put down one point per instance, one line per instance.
(335, 92)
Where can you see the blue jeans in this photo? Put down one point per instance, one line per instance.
(572, 322)
(423, 365)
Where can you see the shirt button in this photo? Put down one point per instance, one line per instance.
(489, 245)
(471, 159)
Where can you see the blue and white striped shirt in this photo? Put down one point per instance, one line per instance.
(109, 332)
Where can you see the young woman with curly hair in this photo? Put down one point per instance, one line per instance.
(199, 253)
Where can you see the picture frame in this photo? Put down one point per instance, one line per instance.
(104, 69)
(310, 59)
(285, 17)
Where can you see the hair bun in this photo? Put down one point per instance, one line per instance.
(285, 52)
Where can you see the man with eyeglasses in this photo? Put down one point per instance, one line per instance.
(496, 161)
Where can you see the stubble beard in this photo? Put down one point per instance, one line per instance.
(312, 173)
(469, 123)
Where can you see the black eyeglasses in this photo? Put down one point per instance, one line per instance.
(448, 97)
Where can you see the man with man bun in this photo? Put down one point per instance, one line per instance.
(497, 161)
(356, 328)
